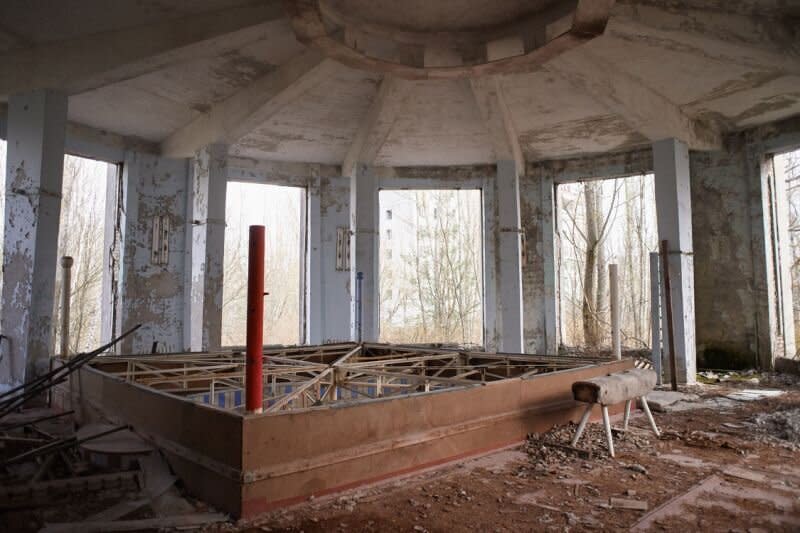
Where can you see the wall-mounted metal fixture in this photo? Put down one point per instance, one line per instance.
(343, 249)
(159, 254)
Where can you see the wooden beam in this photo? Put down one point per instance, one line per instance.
(376, 125)
(758, 42)
(91, 61)
(488, 93)
(232, 119)
(641, 107)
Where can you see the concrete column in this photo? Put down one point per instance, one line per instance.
(364, 251)
(509, 258)
(208, 194)
(154, 253)
(34, 168)
(539, 279)
(674, 212)
(111, 254)
(328, 294)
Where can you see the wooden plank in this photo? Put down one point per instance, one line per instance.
(198, 519)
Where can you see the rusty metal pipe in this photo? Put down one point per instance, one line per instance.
(254, 380)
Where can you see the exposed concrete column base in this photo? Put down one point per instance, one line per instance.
(674, 213)
(34, 169)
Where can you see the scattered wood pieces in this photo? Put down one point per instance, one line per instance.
(625, 503)
(198, 519)
(741, 473)
(46, 492)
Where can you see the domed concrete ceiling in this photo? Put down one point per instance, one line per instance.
(451, 82)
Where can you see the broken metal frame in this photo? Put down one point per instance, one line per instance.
(302, 377)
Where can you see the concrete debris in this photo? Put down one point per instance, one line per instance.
(552, 448)
(625, 503)
(661, 401)
(637, 468)
(784, 425)
(749, 395)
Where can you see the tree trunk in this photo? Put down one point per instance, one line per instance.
(590, 282)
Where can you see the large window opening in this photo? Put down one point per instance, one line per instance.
(81, 235)
(431, 267)
(601, 222)
(280, 209)
(787, 169)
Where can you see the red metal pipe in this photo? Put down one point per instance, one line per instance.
(254, 383)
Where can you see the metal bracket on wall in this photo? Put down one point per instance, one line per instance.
(343, 249)
(159, 254)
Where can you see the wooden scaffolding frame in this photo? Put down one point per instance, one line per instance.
(301, 377)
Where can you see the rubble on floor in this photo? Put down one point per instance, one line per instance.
(553, 447)
(784, 425)
(709, 471)
(99, 477)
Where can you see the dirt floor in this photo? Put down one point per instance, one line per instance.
(721, 464)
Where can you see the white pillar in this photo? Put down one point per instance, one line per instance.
(34, 168)
(208, 194)
(550, 259)
(613, 294)
(655, 313)
(111, 254)
(364, 251)
(674, 211)
(509, 258)
(328, 293)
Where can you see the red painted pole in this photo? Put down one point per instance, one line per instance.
(254, 383)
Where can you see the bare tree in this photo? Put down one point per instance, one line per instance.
(788, 166)
(433, 290)
(591, 234)
(81, 229)
(278, 208)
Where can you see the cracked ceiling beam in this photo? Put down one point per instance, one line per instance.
(488, 93)
(230, 120)
(376, 125)
(760, 43)
(641, 107)
(92, 61)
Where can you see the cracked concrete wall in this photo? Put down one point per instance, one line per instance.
(35, 160)
(539, 294)
(151, 293)
(739, 299)
(737, 274)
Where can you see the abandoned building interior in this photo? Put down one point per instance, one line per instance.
(334, 265)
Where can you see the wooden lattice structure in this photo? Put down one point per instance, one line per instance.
(311, 376)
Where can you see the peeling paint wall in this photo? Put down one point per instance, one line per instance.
(152, 294)
(35, 160)
(335, 292)
(736, 269)
(738, 313)
(538, 284)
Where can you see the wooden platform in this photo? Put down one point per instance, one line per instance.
(338, 416)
